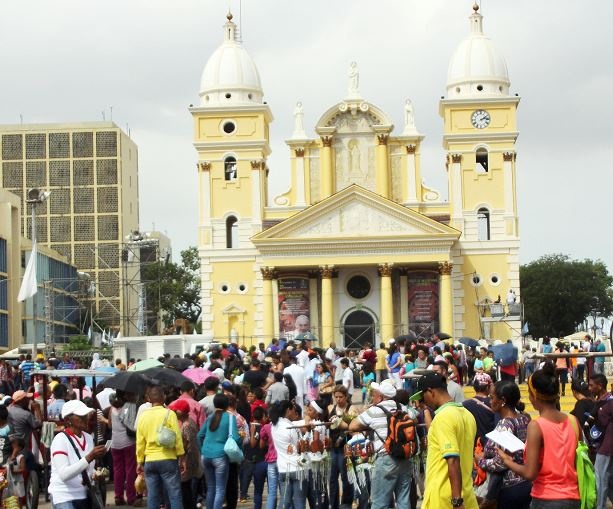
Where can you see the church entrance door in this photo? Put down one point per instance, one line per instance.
(359, 328)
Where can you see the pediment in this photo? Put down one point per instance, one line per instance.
(356, 213)
(233, 309)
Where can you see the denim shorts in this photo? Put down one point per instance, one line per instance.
(566, 503)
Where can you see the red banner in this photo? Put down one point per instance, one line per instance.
(423, 303)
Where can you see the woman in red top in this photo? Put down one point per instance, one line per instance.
(550, 447)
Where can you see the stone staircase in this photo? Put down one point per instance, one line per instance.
(567, 403)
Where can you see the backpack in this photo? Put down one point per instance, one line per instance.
(401, 442)
(586, 477)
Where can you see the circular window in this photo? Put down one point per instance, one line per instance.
(457, 89)
(224, 288)
(228, 95)
(250, 96)
(358, 287)
(242, 288)
(229, 127)
(494, 279)
(480, 88)
(475, 280)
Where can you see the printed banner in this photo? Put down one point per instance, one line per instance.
(423, 303)
(294, 308)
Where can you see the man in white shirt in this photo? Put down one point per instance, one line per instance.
(347, 376)
(330, 351)
(297, 374)
(303, 355)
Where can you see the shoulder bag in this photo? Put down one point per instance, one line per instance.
(93, 491)
(231, 448)
(166, 437)
(586, 477)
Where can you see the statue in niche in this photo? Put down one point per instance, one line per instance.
(354, 157)
(409, 118)
(299, 121)
(354, 79)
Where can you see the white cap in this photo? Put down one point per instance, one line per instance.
(75, 407)
(387, 390)
(391, 341)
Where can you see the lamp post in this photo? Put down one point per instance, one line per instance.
(35, 197)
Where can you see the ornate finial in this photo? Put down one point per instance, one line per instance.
(475, 7)
(229, 16)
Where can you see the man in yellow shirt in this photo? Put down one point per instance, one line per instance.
(451, 438)
(160, 465)
(381, 366)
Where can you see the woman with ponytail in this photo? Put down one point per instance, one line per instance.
(212, 438)
(505, 487)
(550, 447)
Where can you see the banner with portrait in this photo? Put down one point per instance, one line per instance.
(423, 302)
(294, 306)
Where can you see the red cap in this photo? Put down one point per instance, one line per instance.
(179, 405)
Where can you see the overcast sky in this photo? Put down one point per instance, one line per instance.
(70, 60)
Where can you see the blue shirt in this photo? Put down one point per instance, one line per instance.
(393, 359)
(212, 442)
(600, 348)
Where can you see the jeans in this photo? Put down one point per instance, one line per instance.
(538, 503)
(603, 467)
(73, 504)
(188, 495)
(337, 466)
(257, 470)
(381, 375)
(390, 477)
(293, 495)
(580, 371)
(163, 474)
(216, 473)
(516, 496)
(273, 483)
(124, 472)
(528, 370)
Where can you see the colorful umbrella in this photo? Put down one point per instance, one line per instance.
(146, 364)
(197, 375)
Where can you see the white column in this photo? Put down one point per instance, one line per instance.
(411, 175)
(300, 190)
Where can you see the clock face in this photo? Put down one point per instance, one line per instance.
(480, 119)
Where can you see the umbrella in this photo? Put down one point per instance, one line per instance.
(166, 376)
(197, 375)
(470, 342)
(146, 364)
(128, 381)
(443, 335)
(179, 363)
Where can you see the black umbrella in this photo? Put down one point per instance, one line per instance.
(470, 342)
(443, 335)
(179, 363)
(128, 381)
(166, 376)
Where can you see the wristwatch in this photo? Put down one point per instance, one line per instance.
(457, 502)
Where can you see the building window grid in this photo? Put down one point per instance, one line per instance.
(36, 174)
(36, 146)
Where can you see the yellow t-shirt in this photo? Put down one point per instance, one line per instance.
(381, 356)
(452, 433)
(146, 435)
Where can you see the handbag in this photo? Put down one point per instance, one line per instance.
(93, 491)
(231, 448)
(166, 437)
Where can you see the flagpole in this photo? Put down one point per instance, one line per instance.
(33, 253)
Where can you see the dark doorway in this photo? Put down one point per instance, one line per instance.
(359, 329)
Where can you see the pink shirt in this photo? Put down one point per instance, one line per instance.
(266, 434)
(557, 478)
(196, 410)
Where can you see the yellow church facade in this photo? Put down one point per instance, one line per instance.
(359, 249)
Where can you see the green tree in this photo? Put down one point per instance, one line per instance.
(174, 288)
(558, 293)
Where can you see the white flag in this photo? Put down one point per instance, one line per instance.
(28, 285)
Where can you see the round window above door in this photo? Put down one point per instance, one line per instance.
(358, 287)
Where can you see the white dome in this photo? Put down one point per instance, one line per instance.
(230, 76)
(477, 68)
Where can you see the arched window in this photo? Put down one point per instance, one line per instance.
(231, 232)
(230, 170)
(482, 160)
(483, 224)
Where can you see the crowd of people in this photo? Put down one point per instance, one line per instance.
(325, 427)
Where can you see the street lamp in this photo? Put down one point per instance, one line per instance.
(35, 197)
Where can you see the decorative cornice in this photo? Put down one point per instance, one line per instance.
(268, 273)
(411, 149)
(456, 158)
(445, 268)
(204, 166)
(326, 141)
(382, 139)
(385, 269)
(326, 271)
(508, 156)
(299, 152)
